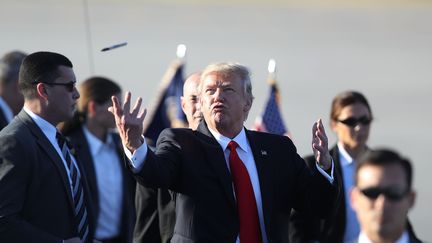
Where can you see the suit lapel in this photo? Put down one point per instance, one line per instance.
(215, 156)
(49, 150)
(261, 156)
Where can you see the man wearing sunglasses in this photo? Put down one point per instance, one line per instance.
(44, 195)
(382, 196)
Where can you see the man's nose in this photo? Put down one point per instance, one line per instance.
(76, 93)
(218, 95)
(359, 126)
(382, 201)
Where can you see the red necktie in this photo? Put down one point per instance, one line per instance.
(246, 204)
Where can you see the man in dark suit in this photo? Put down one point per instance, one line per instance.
(306, 228)
(233, 185)
(43, 193)
(156, 207)
(382, 197)
(11, 99)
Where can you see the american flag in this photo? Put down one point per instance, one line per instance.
(166, 109)
(271, 119)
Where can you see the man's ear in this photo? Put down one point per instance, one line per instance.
(412, 198)
(248, 105)
(333, 125)
(92, 108)
(353, 196)
(183, 103)
(42, 91)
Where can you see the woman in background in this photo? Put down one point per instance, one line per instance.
(350, 119)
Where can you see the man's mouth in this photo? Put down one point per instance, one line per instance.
(218, 107)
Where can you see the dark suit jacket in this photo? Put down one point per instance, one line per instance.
(192, 164)
(35, 195)
(155, 210)
(307, 228)
(3, 121)
(80, 143)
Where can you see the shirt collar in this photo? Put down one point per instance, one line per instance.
(47, 128)
(403, 239)
(223, 141)
(346, 159)
(7, 111)
(95, 143)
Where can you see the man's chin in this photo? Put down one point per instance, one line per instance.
(218, 119)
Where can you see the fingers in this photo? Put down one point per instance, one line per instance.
(126, 104)
(319, 133)
(115, 109)
(318, 148)
(123, 115)
(136, 107)
(319, 138)
(142, 115)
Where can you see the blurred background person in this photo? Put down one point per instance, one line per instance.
(156, 207)
(11, 99)
(382, 197)
(350, 119)
(99, 149)
(190, 100)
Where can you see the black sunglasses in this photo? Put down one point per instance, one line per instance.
(70, 86)
(391, 193)
(353, 122)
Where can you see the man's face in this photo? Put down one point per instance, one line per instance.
(190, 101)
(352, 136)
(224, 103)
(101, 115)
(382, 217)
(62, 98)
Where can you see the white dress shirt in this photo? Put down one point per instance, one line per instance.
(109, 179)
(50, 132)
(364, 239)
(245, 153)
(352, 227)
(7, 111)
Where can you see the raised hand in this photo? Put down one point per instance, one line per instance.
(320, 145)
(129, 123)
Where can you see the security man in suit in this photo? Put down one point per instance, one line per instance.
(43, 192)
(382, 196)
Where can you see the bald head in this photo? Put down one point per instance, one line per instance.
(189, 100)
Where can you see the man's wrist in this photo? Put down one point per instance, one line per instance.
(132, 146)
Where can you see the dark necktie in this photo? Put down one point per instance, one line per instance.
(246, 204)
(81, 218)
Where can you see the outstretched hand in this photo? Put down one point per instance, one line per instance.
(320, 146)
(129, 123)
